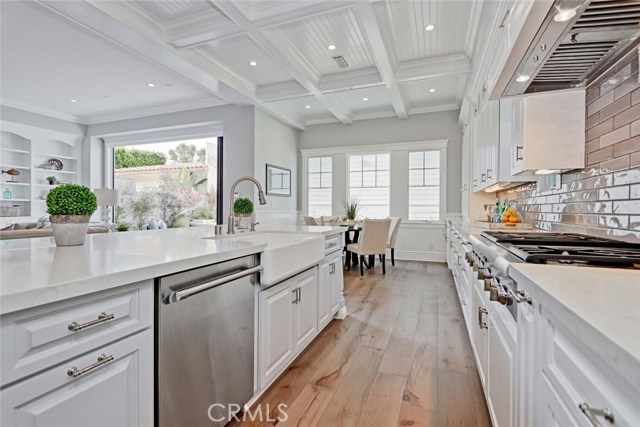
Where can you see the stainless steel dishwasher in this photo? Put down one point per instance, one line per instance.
(205, 321)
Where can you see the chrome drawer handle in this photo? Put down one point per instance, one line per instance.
(481, 311)
(102, 318)
(518, 151)
(521, 296)
(103, 359)
(592, 413)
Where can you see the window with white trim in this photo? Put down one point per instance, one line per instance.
(424, 185)
(369, 182)
(319, 183)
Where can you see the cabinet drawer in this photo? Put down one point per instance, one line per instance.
(117, 392)
(578, 376)
(332, 243)
(38, 338)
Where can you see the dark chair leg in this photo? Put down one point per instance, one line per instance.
(383, 267)
(393, 258)
(380, 257)
(362, 265)
(372, 262)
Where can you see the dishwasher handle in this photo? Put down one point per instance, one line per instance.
(178, 296)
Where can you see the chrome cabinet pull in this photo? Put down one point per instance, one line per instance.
(489, 174)
(299, 294)
(102, 318)
(481, 323)
(483, 177)
(518, 152)
(103, 359)
(592, 413)
(504, 20)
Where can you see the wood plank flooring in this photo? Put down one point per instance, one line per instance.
(401, 358)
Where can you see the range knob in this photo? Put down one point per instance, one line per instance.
(493, 293)
(488, 283)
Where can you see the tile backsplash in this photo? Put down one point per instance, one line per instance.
(602, 199)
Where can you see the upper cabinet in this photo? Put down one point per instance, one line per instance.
(548, 132)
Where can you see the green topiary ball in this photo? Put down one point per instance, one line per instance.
(71, 199)
(243, 206)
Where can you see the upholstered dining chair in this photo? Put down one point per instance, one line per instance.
(328, 220)
(309, 220)
(373, 241)
(393, 233)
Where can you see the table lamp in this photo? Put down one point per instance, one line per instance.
(107, 197)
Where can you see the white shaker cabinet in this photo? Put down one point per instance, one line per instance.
(480, 335)
(109, 386)
(287, 323)
(502, 366)
(330, 285)
(548, 132)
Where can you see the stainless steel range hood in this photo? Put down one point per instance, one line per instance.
(570, 51)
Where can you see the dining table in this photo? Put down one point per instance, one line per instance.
(351, 236)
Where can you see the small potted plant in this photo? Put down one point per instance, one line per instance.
(51, 180)
(70, 206)
(242, 210)
(351, 209)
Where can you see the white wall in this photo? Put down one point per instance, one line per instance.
(238, 130)
(418, 127)
(276, 144)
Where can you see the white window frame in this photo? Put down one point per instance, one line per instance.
(442, 182)
(401, 147)
(367, 153)
(305, 182)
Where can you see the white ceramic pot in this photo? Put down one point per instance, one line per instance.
(69, 230)
(243, 222)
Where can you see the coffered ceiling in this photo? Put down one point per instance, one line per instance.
(305, 62)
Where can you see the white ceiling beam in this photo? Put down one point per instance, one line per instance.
(350, 80)
(209, 76)
(370, 26)
(433, 68)
(279, 91)
(292, 64)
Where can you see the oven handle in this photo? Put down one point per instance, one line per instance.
(521, 296)
(178, 296)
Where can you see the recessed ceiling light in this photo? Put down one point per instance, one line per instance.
(331, 47)
(365, 99)
(73, 100)
(253, 63)
(307, 106)
(151, 84)
(432, 90)
(564, 14)
(523, 78)
(429, 27)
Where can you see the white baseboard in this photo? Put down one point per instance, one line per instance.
(419, 256)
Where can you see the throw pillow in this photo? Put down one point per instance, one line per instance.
(153, 225)
(7, 228)
(162, 225)
(43, 222)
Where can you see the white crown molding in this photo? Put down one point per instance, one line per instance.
(433, 144)
(350, 80)
(42, 111)
(434, 109)
(432, 68)
(152, 111)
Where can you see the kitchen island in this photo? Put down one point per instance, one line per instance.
(81, 322)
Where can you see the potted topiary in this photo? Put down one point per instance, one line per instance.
(70, 207)
(51, 180)
(242, 210)
(351, 209)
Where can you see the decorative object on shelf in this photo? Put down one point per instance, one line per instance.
(243, 209)
(122, 226)
(278, 181)
(70, 207)
(12, 173)
(106, 198)
(51, 180)
(351, 209)
(56, 163)
(7, 194)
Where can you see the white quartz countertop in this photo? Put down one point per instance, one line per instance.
(601, 306)
(35, 271)
(319, 229)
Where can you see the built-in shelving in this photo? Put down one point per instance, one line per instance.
(14, 150)
(14, 183)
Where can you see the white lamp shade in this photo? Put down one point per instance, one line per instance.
(107, 196)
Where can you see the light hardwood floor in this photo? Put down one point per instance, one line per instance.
(401, 358)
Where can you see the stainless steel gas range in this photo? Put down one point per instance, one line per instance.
(567, 249)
